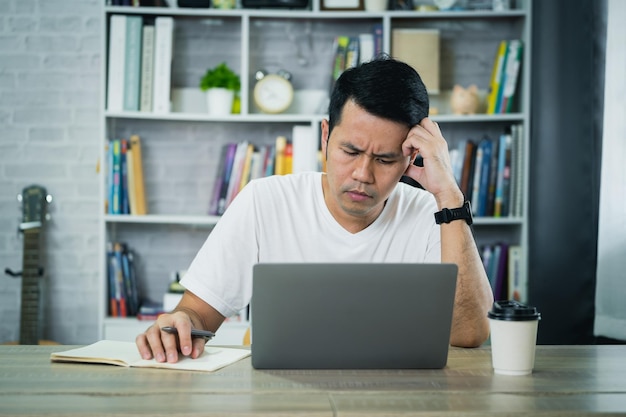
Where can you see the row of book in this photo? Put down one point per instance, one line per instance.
(503, 264)
(139, 63)
(504, 77)
(242, 162)
(123, 289)
(351, 51)
(490, 173)
(124, 178)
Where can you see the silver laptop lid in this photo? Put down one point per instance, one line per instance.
(351, 316)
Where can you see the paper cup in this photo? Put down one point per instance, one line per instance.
(513, 337)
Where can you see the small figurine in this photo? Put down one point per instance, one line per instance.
(464, 100)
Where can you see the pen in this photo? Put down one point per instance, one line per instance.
(206, 334)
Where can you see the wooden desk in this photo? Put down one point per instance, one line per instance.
(568, 380)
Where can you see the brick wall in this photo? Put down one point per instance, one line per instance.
(50, 69)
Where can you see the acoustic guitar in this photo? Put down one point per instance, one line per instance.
(34, 200)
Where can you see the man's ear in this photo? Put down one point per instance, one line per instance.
(324, 137)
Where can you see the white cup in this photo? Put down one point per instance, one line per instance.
(513, 337)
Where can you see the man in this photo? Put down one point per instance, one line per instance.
(357, 211)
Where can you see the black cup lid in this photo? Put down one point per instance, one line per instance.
(513, 311)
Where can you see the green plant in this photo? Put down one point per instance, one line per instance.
(220, 77)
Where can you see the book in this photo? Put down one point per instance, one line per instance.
(339, 63)
(518, 172)
(377, 31)
(467, 171)
(279, 156)
(482, 188)
(115, 64)
(510, 76)
(138, 177)
(132, 63)
(366, 47)
(163, 44)
(304, 149)
(501, 197)
(518, 287)
(352, 52)
(116, 185)
(219, 178)
(225, 179)
(112, 352)
(420, 49)
(147, 68)
(124, 202)
(496, 75)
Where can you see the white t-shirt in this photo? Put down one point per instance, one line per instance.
(285, 219)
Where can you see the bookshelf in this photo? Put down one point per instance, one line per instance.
(181, 148)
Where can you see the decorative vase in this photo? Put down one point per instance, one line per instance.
(219, 101)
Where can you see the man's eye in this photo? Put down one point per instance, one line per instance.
(351, 153)
(385, 161)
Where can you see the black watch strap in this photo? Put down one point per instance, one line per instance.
(461, 213)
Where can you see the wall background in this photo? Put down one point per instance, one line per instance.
(50, 99)
(49, 127)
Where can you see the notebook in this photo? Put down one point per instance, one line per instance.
(351, 316)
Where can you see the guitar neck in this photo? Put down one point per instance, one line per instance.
(31, 288)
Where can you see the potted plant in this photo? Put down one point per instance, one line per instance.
(220, 83)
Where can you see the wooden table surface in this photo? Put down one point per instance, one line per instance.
(568, 380)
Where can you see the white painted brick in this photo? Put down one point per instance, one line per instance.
(25, 6)
(68, 24)
(38, 116)
(21, 24)
(51, 44)
(11, 43)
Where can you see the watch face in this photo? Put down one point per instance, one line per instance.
(273, 94)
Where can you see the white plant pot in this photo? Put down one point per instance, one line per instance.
(219, 101)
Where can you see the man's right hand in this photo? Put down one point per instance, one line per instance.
(162, 346)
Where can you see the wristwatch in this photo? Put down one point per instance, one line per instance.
(462, 213)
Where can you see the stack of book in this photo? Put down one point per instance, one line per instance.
(490, 173)
(504, 77)
(242, 162)
(125, 183)
(123, 290)
(353, 50)
(139, 63)
(503, 264)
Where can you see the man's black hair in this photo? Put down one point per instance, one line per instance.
(384, 87)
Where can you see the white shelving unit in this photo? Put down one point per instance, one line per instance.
(181, 149)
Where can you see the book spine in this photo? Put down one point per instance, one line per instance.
(279, 157)
(478, 164)
(304, 149)
(502, 79)
(366, 47)
(499, 197)
(124, 204)
(147, 68)
(228, 171)
(132, 63)
(483, 186)
(511, 77)
(377, 31)
(517, 288)
(164, 32)
(132, 193)
(116, 57)
(219, 179)
(116, 185)
(496, 73)
(247, 166)
(138, 177)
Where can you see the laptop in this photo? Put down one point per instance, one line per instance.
(351, 316)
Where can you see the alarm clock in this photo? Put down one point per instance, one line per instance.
(273, 93)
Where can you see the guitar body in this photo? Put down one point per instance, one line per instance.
(34, 203)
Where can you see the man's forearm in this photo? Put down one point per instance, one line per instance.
(473, 299)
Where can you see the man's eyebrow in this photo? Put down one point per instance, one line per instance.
(387, 155)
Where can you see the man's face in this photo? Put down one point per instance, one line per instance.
(364, 164)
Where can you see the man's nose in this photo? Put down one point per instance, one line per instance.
(363, 169)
